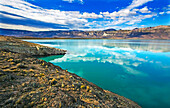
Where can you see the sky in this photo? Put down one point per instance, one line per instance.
(46, 15)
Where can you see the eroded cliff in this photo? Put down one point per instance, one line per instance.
(16, 45)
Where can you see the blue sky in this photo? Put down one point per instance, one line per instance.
(45, 15)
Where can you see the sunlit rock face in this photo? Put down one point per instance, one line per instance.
(16, 45)
(158, 32)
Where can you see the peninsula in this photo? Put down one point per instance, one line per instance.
(26, 81)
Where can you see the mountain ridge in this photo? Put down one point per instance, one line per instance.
(158, 32)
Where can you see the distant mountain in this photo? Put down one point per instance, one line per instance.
(158, 32)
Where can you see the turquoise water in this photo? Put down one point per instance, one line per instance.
(136, 69)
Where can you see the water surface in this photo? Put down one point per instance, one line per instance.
(136, 69)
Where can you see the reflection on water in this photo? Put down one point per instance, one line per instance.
(50, 58)
(136, 69)
(147, 45)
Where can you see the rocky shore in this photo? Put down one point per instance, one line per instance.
(16, 45)
(26, 81)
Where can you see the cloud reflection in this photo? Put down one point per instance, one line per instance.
(127, 54)
(120, 56)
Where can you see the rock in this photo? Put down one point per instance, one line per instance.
(82, 87)
(53, 81)
(22, 66)
(62, 85)
(8, 101)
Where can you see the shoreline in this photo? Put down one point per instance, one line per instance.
(87, 39)
(17, 45)
(28, 81)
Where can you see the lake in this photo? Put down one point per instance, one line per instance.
(136, 69)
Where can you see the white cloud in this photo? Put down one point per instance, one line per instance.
(137, 3)
(11, 16)
(45, 15)
(91, 15)
(145, 10)
(71, 1)
(74, 19)
(133, 21)
(161, 13)
(123, 12)
(148, 16)
(22, 27)
(168, 12)
(129, 15)
(22, 8)
(135, 10)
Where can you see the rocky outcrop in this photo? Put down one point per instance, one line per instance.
(27, 82)
(16, 45)
(158, 32)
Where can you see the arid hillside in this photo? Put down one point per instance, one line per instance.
(158, 32)
(16, 45)
(26, 81)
